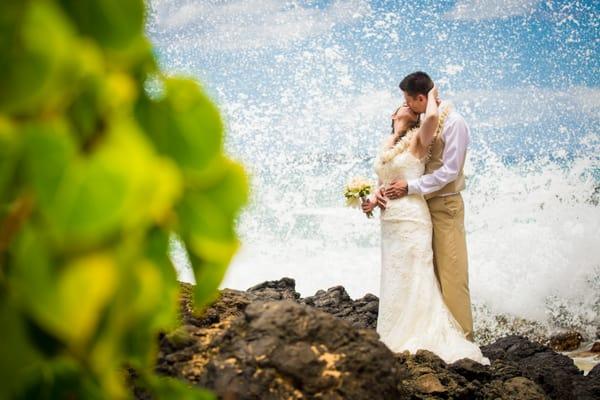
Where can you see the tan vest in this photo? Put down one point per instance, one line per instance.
(435, 162)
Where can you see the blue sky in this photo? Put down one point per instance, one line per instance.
(513, 66)
(495, 43)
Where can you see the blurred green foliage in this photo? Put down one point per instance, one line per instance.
(95, 174)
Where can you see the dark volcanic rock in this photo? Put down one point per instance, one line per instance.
(268, 343)
(282, 349)
(283, 289)
(555, 373)
(230, 305)
(566, 341)
(472, 370)
(592, 389)
(595, 372)
(513, 388)
(362, 313)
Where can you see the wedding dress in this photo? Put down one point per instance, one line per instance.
(412, 313)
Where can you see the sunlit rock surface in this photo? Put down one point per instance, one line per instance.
(269, 343)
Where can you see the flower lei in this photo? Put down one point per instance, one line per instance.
(391, 152)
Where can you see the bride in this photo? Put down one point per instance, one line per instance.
(412, 312)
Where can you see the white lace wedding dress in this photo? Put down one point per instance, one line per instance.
(412, 312)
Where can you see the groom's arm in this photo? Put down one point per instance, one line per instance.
(456, 137)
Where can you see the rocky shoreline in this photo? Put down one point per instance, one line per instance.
(269, 343)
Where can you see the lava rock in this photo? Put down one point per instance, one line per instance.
(555, 373)
(282, 349)
(472, 370)
(282, 289)
(594, 372)
(513, 388)
(269, 343)
(566, 341)
(362, 313)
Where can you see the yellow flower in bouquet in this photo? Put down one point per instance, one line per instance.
(356, 191)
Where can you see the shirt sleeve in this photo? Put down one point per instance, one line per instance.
(457, 138)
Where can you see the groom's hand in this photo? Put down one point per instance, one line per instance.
(397, 189)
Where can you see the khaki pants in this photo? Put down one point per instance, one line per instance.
(450, 257)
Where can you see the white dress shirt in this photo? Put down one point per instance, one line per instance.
(456, 136)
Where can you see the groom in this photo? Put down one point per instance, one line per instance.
(441, 185)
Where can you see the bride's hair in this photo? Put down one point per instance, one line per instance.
(393, 120)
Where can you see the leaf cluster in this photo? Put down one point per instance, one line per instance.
(96, 172)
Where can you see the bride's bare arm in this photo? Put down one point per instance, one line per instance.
(430, 121)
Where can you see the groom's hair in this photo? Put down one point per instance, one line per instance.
(416, 83)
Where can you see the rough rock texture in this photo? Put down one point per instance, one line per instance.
(595, 373)
(566, 341)
(362, 313)
(555, 373)
(268, 343)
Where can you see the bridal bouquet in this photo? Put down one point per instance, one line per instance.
(356, 191)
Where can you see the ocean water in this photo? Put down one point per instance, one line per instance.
(306, 90)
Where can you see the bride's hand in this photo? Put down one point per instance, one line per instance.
(380, 198)
(368, 206)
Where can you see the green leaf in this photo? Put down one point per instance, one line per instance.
(61, 378)
(123, 184)
(113, 23)
(154, 181)
(231, 192)
(66, 300)
(186, 126)
(10, 151)
(95, 175)
(206, 229)
(70, 302)
(84, 116)
(157, 253)
(49, 153)
(31, 275)
(18, 357)
(208, 276)
(84, 287)
(91, 204)
(161, 387)
(207, 216)
(39, 58)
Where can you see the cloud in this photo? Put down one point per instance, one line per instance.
(452, 69)
(518, 106)
(490, 9)
(500, 108)
(249, 24)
